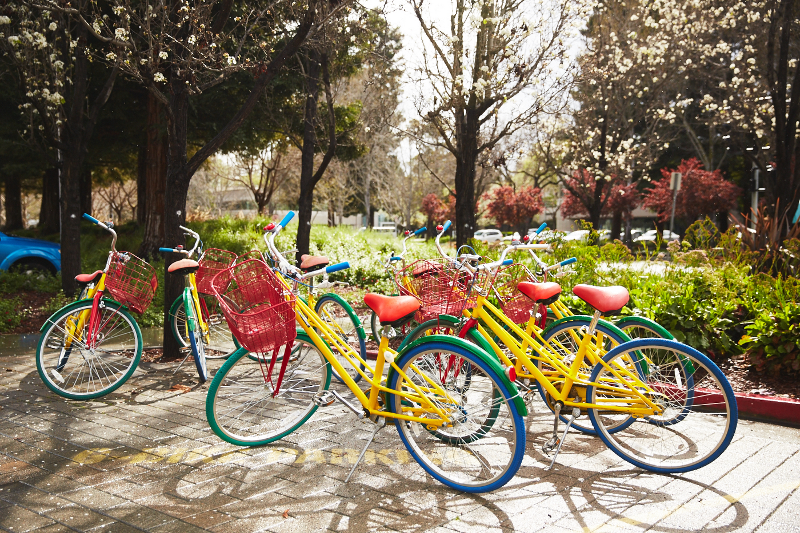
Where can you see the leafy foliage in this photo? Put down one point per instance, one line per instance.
(773, 340)
(515, 208)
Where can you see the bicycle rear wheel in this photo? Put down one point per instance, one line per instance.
(221, 343)
(78, 369)
(699, 414)
(484, 444)
(240, 407)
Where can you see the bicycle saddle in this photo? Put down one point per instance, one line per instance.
(541, 293)
(85, 279)
(392, 310)
(184, 266)
(607, 300)
(308, 262)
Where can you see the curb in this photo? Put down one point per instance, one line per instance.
(769, 408)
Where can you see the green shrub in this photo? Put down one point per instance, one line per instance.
(14, 282)
(773, 340)
(10, 317)
(702, 234)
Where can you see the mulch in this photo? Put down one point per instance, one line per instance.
(32, 309)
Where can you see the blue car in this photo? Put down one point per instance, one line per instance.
(29, 254)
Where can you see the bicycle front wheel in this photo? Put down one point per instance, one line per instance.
(241, 408)
(78, 367)
(197, 342)
(221, 343)
(698, 408)
(342, 320)
(482, 446)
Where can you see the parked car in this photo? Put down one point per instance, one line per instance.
(650, 236)
(488, 235)
(21, 253)
(547, 235)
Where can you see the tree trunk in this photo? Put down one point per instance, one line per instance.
(616, 226)
(70, 204)
(367, 201)
(13, 201)
(306, 200)
(465, 181)
(141, 184)
(49, 222)
(371, 217)
(155, 170)
(331, 214)
(177, 188)
(86, 191)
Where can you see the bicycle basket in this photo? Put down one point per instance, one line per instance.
(258, 307)
(513, 303)
(252, 254)
(440, 288)
(131, 281)
(212, 262)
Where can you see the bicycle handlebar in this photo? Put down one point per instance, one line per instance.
(166, 250)
(423, 229)
(541, 228)
(446, 226)
(563, 263)
(330, 269)
(286, 219)
(93, 220)
(106, 227)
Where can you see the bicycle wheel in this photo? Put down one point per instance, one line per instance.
(699, 413)
(221, 343)
(74, 368)
(484, 446)
(341, 318)
(198, 345)
(564, 339)
(396, 335)
(240, 407)
(459, 377)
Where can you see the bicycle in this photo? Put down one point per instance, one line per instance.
(472, 442)
(91, 346)
(332, 308)
(639, 406)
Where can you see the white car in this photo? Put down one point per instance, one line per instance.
(651, 235)
(488, 235)
(580, 235)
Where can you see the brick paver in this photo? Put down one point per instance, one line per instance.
(144, 458)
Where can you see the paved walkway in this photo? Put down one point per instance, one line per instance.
(144, 458)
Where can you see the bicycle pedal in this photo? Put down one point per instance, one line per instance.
(185, 349)
(324, 398)
(56, 375)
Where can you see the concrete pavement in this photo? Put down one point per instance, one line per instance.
(144, 458)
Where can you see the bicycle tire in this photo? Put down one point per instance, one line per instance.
(116, 367)
(333, 307)
(442, 326)
(576, 323)
(196, 340)
(238, 388)
(440, 457)
(707, 409)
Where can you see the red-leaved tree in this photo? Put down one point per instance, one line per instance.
(515, 208)
(437, 210)
(618, 201)
(702, 192)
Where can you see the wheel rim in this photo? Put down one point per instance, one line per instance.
(244, 408)
(481, 446)
(697, 422)
(89, 370)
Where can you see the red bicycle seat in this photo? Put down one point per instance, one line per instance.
(392, 310)
(540, 292)
(189, 264)
(85, 279)
(308, 262)
(604, 299)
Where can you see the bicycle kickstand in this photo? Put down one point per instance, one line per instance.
(188, 353)
(379, 425)
(555, 443)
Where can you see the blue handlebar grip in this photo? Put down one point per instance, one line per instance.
(395, 258)
(91, 219)
(446, 226)
(541, 228)
(337, 267)
(165, 250)
(507, 262)
(289, 216)
(569, 261)
(423, 229)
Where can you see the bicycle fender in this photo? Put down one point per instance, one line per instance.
(585, 318)
(448, 320)
(490, 360)
(77, 303)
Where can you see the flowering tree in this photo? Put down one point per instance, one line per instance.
(487, 72)
(702, 192)
(437, 210)
(51, 52)
(515, 208)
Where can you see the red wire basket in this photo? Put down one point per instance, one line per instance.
(131, 281)
(212, 262)
(252, 254)
(513, 303)
(440, 288)
(257, 305)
